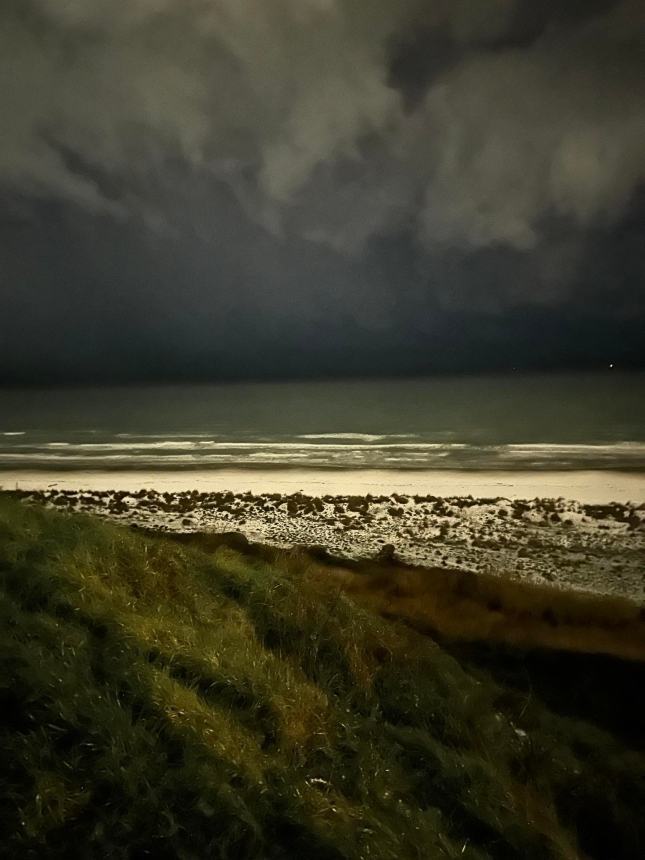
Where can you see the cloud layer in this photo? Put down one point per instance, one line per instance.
(380, 159)
(273, 97)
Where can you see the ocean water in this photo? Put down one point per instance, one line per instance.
(536, 422)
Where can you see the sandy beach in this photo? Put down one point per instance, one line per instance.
(583, 530)
(588, 487)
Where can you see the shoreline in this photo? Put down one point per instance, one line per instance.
(588, 487)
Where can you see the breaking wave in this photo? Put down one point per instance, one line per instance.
(330, 450)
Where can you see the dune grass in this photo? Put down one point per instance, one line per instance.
(462, 605)
(160, 700)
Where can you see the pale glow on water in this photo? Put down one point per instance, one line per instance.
(503, 422)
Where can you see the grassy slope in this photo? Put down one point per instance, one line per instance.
(160, 701)
(462, 605)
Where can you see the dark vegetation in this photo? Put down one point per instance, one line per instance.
(462, 605)
(168, 700)
(299, 504)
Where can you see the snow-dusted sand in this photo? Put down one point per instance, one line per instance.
(592, 487)
(571, 529)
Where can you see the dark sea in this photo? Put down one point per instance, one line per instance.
(535, 422)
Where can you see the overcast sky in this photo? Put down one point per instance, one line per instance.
(266, 188)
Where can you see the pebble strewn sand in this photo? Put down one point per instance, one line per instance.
(597, 547)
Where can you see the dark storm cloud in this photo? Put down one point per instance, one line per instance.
(181, 177)
(421, 53)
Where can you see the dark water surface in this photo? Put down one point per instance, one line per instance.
(575, 421)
